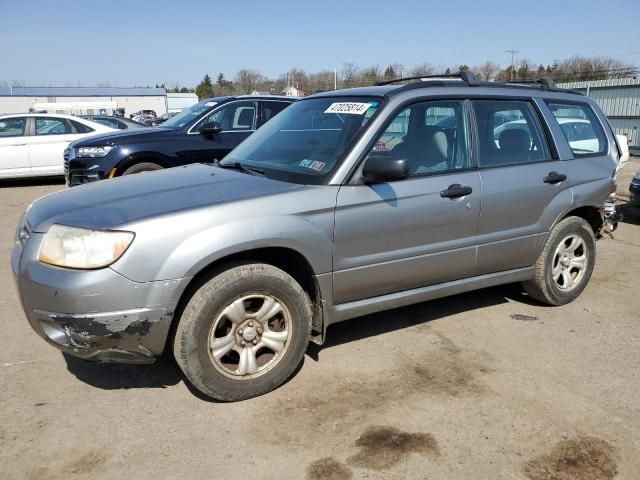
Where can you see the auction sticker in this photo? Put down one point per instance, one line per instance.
(352, 108)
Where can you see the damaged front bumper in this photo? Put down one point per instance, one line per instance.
(95, 314)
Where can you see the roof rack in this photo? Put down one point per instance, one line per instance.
(545, 82)
(467, 77)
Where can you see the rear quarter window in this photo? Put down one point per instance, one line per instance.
(580, 127)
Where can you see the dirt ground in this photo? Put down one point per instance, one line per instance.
(484, 385)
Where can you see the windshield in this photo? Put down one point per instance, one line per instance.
(186, 116)
(306, 141)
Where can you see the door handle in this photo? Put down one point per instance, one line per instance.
(555, 177)
(17, 144)
(455, 191)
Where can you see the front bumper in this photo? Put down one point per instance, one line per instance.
(78, 171)
(634, 190)
(95, 314)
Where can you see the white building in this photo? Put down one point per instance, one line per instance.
(176, 102)
(82, 100)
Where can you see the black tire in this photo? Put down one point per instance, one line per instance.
(542, 286)
(191, 342)
(142, 167)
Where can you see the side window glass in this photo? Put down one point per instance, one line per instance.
(271, 109)
(509, 132)
(81, 128)
(432, 136)
(51, 126)
(236, 116)
(12, 127)
(580, 127)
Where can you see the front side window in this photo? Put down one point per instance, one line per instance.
(12, 127)
(236, 116)
(580, 127)
(52, 126)
(432, 136)
(307, 141)
(509, 132)
(189, 115)
(270, 109)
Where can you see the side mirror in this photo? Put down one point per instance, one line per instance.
(382, 168)
(211, 130)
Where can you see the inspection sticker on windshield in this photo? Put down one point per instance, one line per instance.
(312, 165)
(349, 107)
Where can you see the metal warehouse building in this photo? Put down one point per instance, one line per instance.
(82, 100)
(620, 101)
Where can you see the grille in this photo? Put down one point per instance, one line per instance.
(66, 161)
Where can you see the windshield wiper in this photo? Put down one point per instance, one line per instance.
(240, 166)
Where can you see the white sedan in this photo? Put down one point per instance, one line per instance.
(33, 144)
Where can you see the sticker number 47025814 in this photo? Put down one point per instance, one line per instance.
(352, 108)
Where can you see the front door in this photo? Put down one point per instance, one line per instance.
(14, 153)
(415, 232)
(236, 119)
(524, 189)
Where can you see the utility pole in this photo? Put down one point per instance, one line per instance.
(512, 52)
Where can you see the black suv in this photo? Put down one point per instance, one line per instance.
(203, 132)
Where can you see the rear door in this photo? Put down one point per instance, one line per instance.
(50, 137)
(14, 151)
(525, 186)
(400, 235)
(238, 120)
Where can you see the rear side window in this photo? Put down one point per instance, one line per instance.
(81, 128)
(509, 132)
(52, 126)
(12, 127)
(580, 127)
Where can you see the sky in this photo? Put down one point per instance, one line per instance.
(139, 43)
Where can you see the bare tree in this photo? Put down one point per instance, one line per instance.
(488, 70)
(349, 74)
(422, 69)
(247, 80)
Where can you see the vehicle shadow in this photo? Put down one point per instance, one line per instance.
(31, 182)
(165, 372)
(421, 313)
(113, 376)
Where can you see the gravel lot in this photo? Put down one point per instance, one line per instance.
(480, 385)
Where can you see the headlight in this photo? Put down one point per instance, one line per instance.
(81, 248)
(94, 152)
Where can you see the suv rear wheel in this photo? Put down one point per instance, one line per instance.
(564, 267)
(244, 332)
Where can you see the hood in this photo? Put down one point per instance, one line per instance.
(112, 204)
(122, 137)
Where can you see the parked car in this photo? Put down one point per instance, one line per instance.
(634, 188)
(203, 132)
(32, 145)
(236, 266)
(117, 123)
(148, 113)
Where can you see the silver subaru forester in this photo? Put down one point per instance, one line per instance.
(348, 202)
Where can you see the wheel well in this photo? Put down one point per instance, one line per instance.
(291, 261)
(139, 158)
(590, 214)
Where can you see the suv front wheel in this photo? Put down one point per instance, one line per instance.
(244, 332)
(564, 267)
